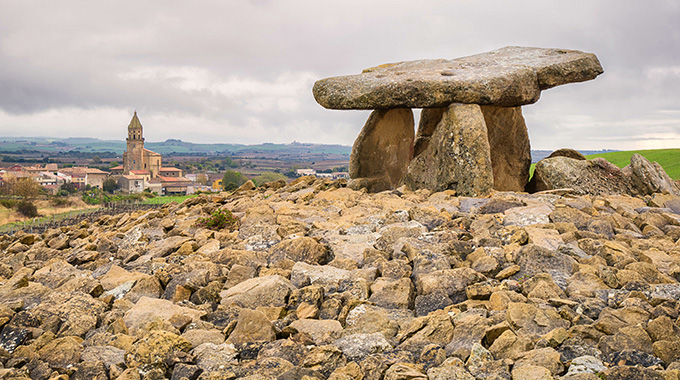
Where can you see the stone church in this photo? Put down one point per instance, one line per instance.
(143, 169)
(136, 158)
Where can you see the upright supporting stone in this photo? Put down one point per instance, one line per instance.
(429, 119)
(510, 147)
(383, 150)
(456, 157)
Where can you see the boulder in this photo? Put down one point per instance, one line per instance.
(259, 291)
(596, 177)
(542, 357)
(649, 177)
(326, 276)
(148, 310)
(215, 357)
(508, 77)
(321, 331)
(393, 294)
(357, 346)
(301, 249)
(78, 311)
(527, 319)
(469, 330)
(435, 328)
(566, 152)
(403, 371)
(108, 355)
(153, 350)
(62, 353)
(534, 259)
(252, 326)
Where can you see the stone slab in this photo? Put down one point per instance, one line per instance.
(508, 77)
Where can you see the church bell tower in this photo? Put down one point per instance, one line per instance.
(134, 156)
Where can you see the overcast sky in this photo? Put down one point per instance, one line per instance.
(242, 71)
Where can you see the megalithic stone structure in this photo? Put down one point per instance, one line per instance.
(471, 137)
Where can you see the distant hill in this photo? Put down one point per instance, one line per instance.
(168, 147)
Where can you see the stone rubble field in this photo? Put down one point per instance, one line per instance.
(320, 281)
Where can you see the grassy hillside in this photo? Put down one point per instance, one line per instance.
(669, 159)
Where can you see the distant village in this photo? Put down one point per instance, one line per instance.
(142, 169)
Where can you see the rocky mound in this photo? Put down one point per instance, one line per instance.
(320, 281)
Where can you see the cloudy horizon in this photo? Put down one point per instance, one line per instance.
(242, 71)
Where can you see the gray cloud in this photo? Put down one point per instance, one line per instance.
(242, 71)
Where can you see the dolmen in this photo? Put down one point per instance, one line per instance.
(471, 137)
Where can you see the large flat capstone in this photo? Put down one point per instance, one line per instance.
(507, 77)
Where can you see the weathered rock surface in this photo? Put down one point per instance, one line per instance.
(508, 77)
(650, 177)
(509, 147)
(383, 150)
(457, 156)
(514, 285)
(596, 176)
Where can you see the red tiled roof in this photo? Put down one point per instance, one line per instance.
(173, 179)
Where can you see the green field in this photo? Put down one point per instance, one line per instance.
(669, 159)
(167, 199)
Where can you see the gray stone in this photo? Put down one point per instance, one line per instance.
(534, 259)
(511, 76)
(213, 357)
(358, 346)
(326, 276)
(586, 364)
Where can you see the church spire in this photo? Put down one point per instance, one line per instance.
(134, 123)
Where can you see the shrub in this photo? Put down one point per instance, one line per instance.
(69, 187)
(110, 185)
(8, 203)
(232, 180)
(218, 220)
(27, 209)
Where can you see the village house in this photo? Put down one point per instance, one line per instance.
(84, 176)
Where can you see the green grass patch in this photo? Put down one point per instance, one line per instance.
(168, 199)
